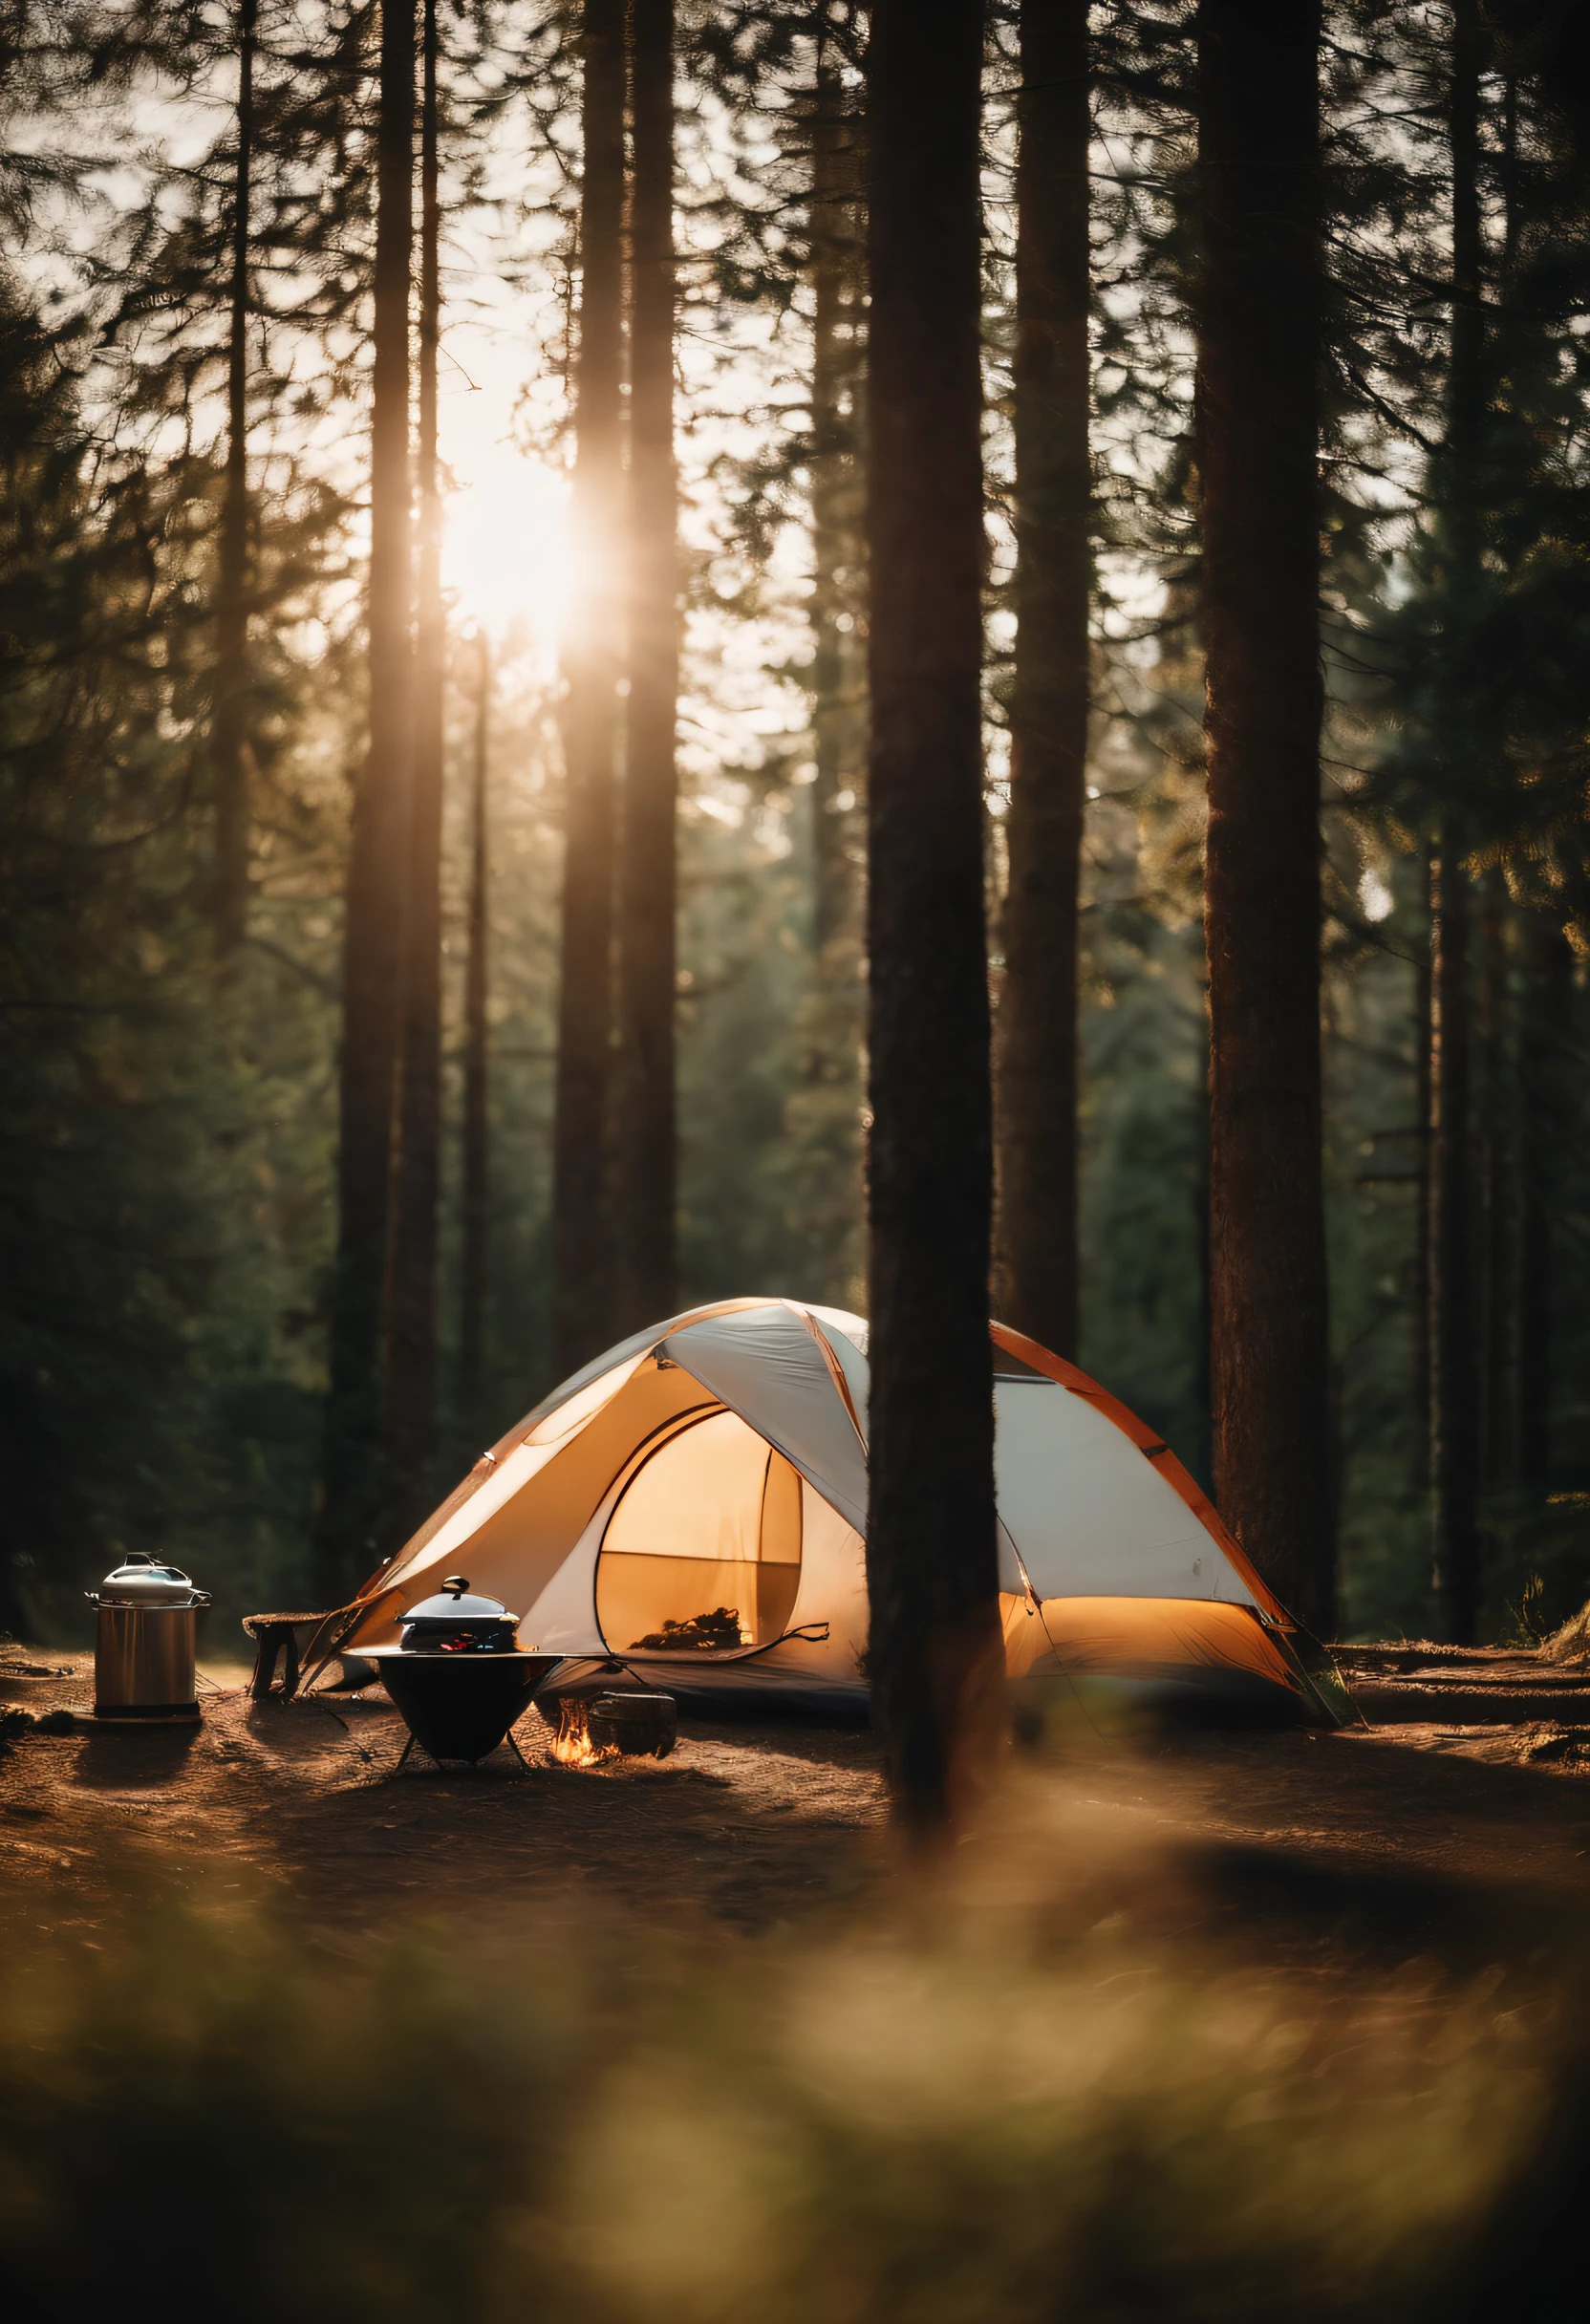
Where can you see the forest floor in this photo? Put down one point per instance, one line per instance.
(1458, 1830)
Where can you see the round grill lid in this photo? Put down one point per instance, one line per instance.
(454, 1602)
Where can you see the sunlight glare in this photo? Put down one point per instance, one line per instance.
(506, 558)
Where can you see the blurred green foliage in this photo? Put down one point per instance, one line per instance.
(638, 2129)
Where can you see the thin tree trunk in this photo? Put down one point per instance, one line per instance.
(1423, 1372)
(1259, 353)
(229, 731)
(1500, 1462)
(835, 516)
(1036, 1081)
(1455, 1400)
(936, 1660)
(410, 1316)
(582, 1253)
(647, 1166)
(1455, 1392)
(347, 1535)
(476, 1069)
(1548, 1026)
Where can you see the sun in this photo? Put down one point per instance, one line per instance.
(505, 554)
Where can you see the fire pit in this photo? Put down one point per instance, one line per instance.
(591, 1728)
(459, 1676)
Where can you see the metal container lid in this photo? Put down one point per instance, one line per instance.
(149, 1582)
(455, 1604)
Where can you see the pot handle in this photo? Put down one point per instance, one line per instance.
(93, 1597)
(200, 1598)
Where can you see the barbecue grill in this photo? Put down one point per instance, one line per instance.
(458, 1675)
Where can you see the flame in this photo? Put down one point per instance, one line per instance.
(573, 1746)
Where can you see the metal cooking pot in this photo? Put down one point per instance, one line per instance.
(145, 1641)
(456, 1623)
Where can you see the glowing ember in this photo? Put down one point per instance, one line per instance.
(572, 1745)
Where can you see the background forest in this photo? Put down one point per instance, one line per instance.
(188, 332)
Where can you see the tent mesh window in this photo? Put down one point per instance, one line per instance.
(702, 1553)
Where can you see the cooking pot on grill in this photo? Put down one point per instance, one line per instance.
(455, 1622)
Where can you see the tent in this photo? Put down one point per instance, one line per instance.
(692, 1506)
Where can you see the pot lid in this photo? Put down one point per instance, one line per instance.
(145, 1578)
(454, 1602)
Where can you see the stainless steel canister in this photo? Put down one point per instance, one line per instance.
(144, 1652)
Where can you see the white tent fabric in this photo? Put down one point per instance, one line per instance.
(778, 1373)
(695, 1503)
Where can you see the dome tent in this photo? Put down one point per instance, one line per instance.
(692, 1503)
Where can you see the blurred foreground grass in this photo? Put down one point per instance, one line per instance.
(915, 2123)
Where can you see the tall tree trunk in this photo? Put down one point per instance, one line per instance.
(347, 1535)
(1258, 354)
(476, 1068)
(1546, 1124)
(1454, 1351)
(936, 1660)
(1455, 1392)
(411, 1312)
(1501, 1459)
(646, 1157)
(1423, 1368)
(229, 728)
(1036, 1079)
(835, 516)
(582, 1253)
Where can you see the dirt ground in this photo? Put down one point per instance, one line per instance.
(1425, 1833)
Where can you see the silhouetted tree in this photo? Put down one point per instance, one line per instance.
(582, 1247)
(376, 862)
(229, 748)
(1259, 304)
(646, 1147)
(935, 1659)
(1036, 1077)
(410, 1316)
(474, 1173)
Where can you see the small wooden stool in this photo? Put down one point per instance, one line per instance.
(275, 1640)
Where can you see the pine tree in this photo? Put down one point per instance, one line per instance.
(646, 1172)
(1257, 437)
(837, 235)
(1455, 1382)
(350, 1514)
(411, 1303)
(934, 1661)
(582, 1251)
(475, 1167)
(229, 747)
(1036, 1079)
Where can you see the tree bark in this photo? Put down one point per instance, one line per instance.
(935, 1660)
(1455, 1391)
(582, 1253)
(1454, 1342)
(229, 730)
(476, 1069)
(1423, 1367)
(835, 511)
(1257, 389)
(1545, 1064)
(1037, 1072)
(646, 1158)
(347, 1535)
(411, 1306)
(1499, 1465)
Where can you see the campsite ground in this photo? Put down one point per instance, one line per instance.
(1444, 1836)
